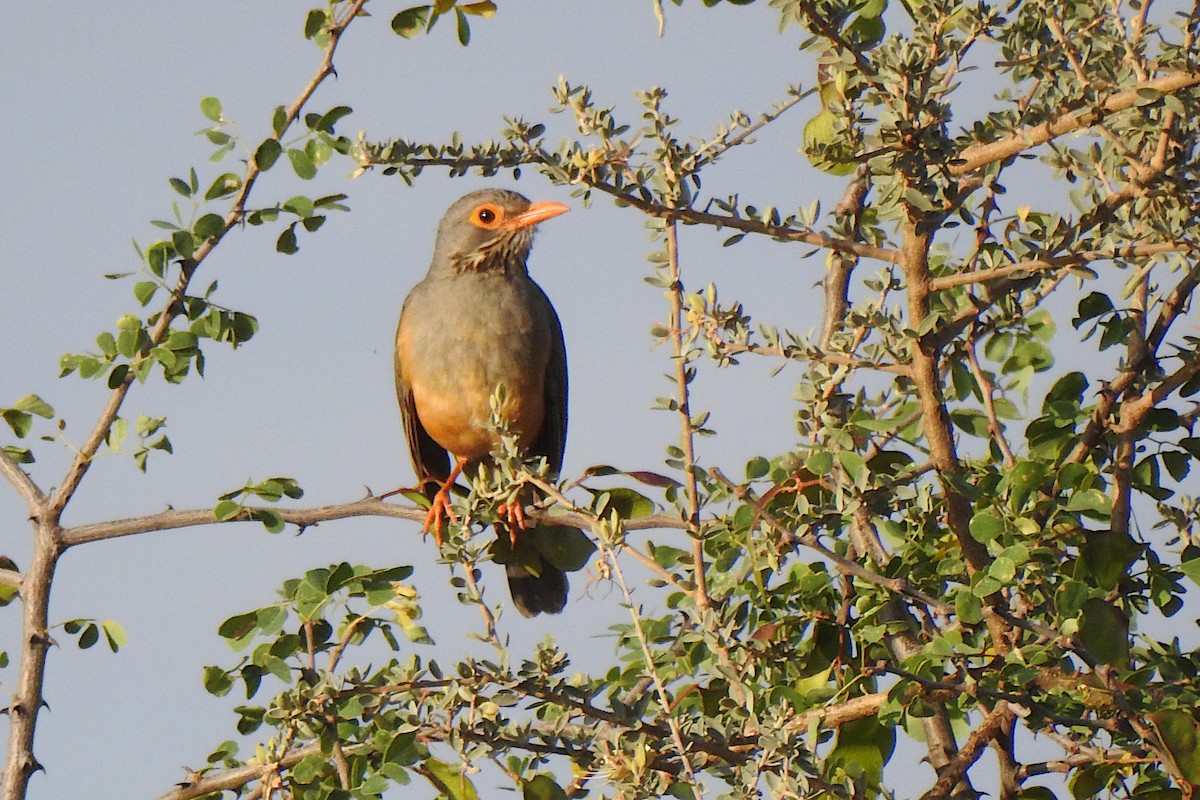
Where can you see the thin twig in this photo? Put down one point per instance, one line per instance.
(687, 429)
(987, 389)
(652, 670)
(780, 232)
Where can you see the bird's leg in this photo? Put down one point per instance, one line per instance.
(513, 516)
(439, 507)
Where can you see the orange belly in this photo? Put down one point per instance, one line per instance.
(457, 417)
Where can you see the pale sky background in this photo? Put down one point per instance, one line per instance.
(102, 104)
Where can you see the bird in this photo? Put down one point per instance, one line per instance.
(477, 323)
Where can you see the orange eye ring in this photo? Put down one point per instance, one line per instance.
(487, 216)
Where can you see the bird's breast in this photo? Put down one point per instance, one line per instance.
(487, 332)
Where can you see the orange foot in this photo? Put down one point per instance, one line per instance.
(513, 515)
(439, 512)
(439, 507)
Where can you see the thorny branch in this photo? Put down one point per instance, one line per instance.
(980, 155)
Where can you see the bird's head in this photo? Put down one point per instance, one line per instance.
(489, 230)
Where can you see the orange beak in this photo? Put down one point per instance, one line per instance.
(537, 212)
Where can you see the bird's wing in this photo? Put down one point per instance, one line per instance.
(430, 460)
(551, 440)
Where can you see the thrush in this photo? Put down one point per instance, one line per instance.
(477, 323)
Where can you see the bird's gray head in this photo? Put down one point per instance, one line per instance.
(489, 230)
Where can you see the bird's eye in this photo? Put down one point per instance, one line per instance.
(486, 216)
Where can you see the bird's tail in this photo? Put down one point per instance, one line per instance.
(537, 588)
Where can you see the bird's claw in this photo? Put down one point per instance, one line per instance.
(513, 517)
(439, 512)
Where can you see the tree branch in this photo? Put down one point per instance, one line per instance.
(980, 155)
(34, 499)
(1067, 260)
(992, 726)
(308, 517)
(231, 779)
(780, 232)
(27, 699)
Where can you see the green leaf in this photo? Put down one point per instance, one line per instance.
(1108, 556)
(181, 187)
(985, 585)
(331, 118)
(33, 404)
(301, 164)
(238, 626)
(824, 146)
(1003, 569)
(267, 154)
(19, 421)
(464, 28)
(449, 779)
(286, 243)
(819, 463)
(1191, 568)
(411, 21)
(184, 243)
(226, 510)
(270, 520)
(279, 120)
(1090, 500)
(756, 468)
(21, 455)
(628, 503)
(968, 608)
(986, 525)
(485, 9)
(314, 22)
(89, 636)
(563, 546)
(211, 108)
(1035, 793)
(143, 291)
(863, 747)
(208, 226)
(1177, 462)
(118, 375)
(541, 787)
(1023, 480)
(1177, 730)
(1090, 307)
(114, 634)
(223, 186)
(117, 432)
(300, 205)
(1104, 632)
(217, 682)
